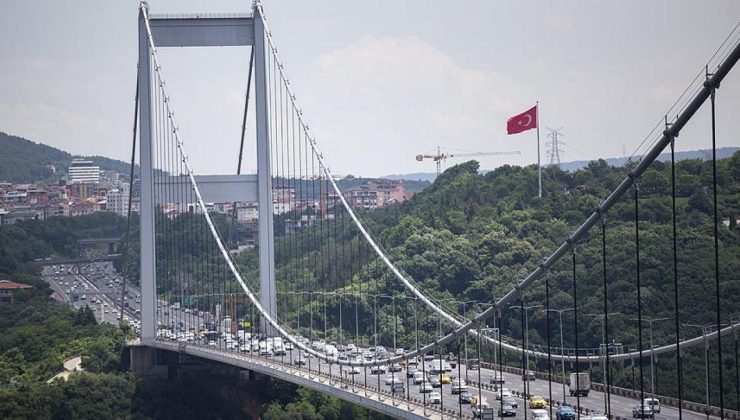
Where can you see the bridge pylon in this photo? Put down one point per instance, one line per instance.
(203, 31)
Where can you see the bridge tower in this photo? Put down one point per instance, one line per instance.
(205, 31)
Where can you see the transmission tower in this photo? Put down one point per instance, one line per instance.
(553, 146)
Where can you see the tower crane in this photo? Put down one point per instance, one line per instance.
(440, 157)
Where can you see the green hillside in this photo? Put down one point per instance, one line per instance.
(23, 161)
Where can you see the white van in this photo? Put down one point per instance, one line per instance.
(653, 403)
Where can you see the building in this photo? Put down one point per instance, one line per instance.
(83, 171)
(376, 194)
(8, 289)
(18, 214)
(118, 201)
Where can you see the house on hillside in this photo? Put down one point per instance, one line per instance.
(8, 289)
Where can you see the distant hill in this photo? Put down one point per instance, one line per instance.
(415, 176)
(704, 154)
(24, 161)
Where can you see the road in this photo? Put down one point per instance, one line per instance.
(101, 285)
(97, 286)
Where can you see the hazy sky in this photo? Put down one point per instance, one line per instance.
(379, 81)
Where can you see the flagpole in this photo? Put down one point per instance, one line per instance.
(539, 167)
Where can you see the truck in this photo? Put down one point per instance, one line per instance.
(580, 384)
(439, 366)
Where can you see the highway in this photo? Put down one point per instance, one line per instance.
(100, 285)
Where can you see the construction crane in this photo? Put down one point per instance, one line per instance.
(440, 157)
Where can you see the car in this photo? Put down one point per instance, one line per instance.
(565, 412)
(466, 397)
(654, 403)
(598, 416)
(377, 370)
(511, 401)
(529, 376)
(354, 370)
(300, 361)
(446, 379)
(435, 398)
(434, 380)
(400, 352)
(482, 410)
(506, 410)
(502, 393)
(410, 371)
(391, 378)
(537, 401)
(398, 388)
(642, 411)
(496, 379)
(419, 377)
(425, 387)
(540, 414)
(458, 386)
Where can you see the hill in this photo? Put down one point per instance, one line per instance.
(24, 161)
(722, 152)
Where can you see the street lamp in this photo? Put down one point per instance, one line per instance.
(704, 330)
(464, 308)
(562, 348)
(606, 352)
(652, 367)
(525, 342)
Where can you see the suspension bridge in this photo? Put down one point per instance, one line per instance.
(324, 305)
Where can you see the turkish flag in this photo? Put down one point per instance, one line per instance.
(522, 122)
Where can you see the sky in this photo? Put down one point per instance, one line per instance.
(379, 82)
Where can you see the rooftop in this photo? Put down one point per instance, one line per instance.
(11, 285)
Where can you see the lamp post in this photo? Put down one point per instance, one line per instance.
(465, 346)
(606, 350)
(562, 348)
(652, 358)
(525, 343)
(704, 330)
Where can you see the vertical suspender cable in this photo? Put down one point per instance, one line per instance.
(124, 258)
(607, 366)
(549, 349)
(679, 367)
(716, 258)
(639, 293)
(575, 331)
(525, 374)
(500, 381)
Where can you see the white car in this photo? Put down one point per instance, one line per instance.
(435, 398)
(504, 392)
(354, 370)
(391, 379)
(377, 370)
(425, 387)
(400, 352)
(540, 414)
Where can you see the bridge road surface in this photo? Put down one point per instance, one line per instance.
(620, 406)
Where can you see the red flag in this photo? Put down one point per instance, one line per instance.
(522, 122)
